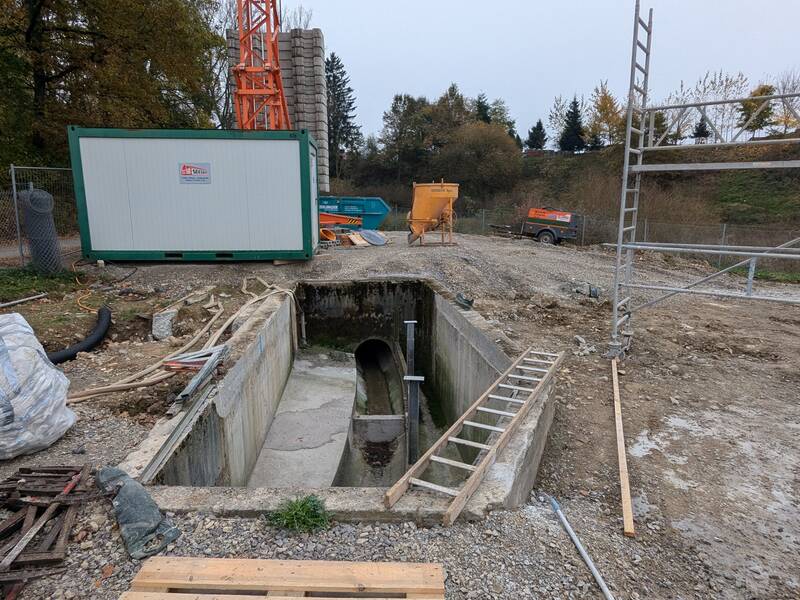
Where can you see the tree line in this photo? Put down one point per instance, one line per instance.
(601, 121)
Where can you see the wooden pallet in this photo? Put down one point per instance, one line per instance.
(507, 401)
(170, 578)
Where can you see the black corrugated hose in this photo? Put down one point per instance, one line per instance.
(90, 341)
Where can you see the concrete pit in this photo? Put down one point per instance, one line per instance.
(330, 418)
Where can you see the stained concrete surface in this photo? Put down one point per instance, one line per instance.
(308, 435)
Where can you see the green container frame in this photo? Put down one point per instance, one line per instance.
(75, 134)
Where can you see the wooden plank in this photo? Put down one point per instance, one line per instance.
(241, 575)
(398, 489)
(486, 427)
(506, 399)
(464, 442)
(434, 487)
(191, 596)
(494, 411)
(624, 484)
(13, 522)
(452, 463)
(517, 388)
(455, 508)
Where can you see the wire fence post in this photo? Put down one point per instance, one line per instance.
(16, 215)
(583, 230)
(645, 227)
(722, 242)
(483, 220)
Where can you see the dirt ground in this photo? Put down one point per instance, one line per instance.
(709, 394)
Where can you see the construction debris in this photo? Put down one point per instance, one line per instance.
(162, 323)
(33, 413)
(285, 578)
(30, 538)
(142, 526)
(22, 300)
(584, 348)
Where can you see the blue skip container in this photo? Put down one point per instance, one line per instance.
(372, 211)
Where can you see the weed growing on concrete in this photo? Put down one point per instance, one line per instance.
(301, 514)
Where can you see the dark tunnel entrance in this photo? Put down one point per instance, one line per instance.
(380, 379)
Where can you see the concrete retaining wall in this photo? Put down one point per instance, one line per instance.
(457, 354)
(224, 443)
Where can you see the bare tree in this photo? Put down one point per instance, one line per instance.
(787, 110)
(721, 86)
(295, 18)
(225, 21)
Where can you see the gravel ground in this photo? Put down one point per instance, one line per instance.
(710, 412)
(512, 554)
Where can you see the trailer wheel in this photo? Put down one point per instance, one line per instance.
(546, 237)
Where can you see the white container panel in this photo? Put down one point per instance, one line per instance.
(275, 196)
(248, 199)
(107, 201)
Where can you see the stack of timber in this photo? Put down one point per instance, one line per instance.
(170, 578)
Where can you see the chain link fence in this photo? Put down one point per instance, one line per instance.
(595, 230)
(16, 234)
(26, 228)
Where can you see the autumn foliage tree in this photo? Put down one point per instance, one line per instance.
(138, 63)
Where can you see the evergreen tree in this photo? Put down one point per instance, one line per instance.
(343, 133)
(572, 136)
(595, 142)
(537, 137)
(701, 132)
(483, 108)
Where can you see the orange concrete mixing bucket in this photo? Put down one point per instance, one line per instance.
(430, 208)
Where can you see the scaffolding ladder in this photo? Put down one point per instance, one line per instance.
(507, 401)
(631, 178)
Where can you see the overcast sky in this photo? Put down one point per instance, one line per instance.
(528, 51)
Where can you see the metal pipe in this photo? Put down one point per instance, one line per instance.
(717, 247)
(413, 416)
(722, 144)
(709, 277)
(679, 250)
(410, 328)
(684, 290)
(718, 102)
(584, 555)
(21, 300)
(725, 166)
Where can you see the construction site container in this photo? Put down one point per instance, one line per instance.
(372, 211)
(199, 195)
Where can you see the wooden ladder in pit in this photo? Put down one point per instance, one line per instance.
(509, 399)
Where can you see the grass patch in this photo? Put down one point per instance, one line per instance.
(305, 514)
(763, 275)
(18, 283)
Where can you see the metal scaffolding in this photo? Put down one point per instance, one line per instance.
(641, 123)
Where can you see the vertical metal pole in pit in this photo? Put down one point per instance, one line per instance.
(413, 416)
(413, 383)
(410, 346)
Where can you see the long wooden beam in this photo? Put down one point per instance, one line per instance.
(624, 484)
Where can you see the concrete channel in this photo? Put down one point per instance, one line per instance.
(330, 418)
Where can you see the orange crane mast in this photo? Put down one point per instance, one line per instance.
(259, 100)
